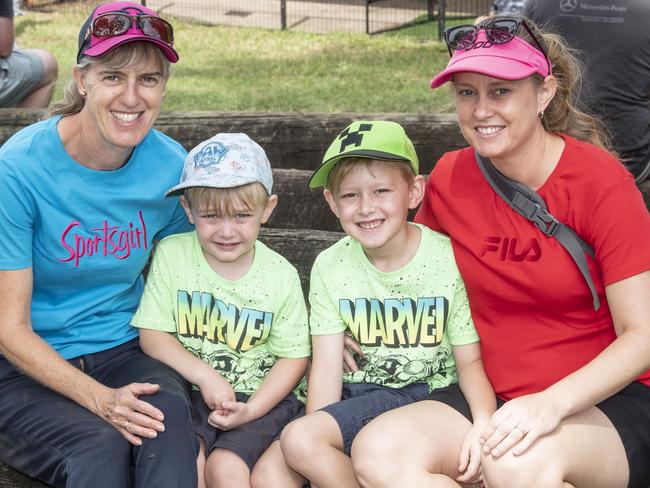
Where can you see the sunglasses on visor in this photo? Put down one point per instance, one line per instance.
(114, 24)
(498, 30)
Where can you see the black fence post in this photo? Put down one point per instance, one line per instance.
(283, 14)
(144, 3)
(441, 18)
(430, 10)
(367, 16)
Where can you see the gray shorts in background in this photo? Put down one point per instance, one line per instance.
(20, 74)
(362, 402)
(248, 441)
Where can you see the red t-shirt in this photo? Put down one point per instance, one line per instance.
(530, 304)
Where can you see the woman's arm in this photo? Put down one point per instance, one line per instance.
(28, 352)
(326, 374)
(623, 360)
(523, 420)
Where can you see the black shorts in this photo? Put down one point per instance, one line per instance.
(248, 441)
(628, 410)
(362, 402)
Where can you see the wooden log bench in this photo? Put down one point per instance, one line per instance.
(290, 140)
(302, 225)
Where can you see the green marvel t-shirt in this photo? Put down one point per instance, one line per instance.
(239, 327)
(405, 321)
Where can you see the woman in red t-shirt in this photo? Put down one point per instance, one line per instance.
(572, 378)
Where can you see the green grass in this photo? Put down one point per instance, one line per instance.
(248, 69)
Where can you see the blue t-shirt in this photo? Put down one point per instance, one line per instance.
(87, 234)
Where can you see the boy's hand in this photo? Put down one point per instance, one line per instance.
(469, 461)
(351, 346)
(236, 414)
(215, 390)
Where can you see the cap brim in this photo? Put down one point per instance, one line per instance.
(176, 190)
(111, 43)
(495, 66)
(319, 178)
(234, 183)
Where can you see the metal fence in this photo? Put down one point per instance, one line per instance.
(317, 16)
(320, 16)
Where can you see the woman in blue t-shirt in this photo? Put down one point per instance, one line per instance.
(82, 203)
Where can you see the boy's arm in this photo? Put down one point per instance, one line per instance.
(285, 374)
(164, 347)
(326, 374)
(473, 381)
(278, 383)
(480, 396)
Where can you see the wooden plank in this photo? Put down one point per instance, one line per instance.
(300, 247)
(291, 140)
(300, 207)
(13, 479)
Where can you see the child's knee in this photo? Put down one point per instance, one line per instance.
(265, 474)
(296, 441)
(224, 469)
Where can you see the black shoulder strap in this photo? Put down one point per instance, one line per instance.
(529, 204)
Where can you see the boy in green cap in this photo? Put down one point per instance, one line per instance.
(395, 288)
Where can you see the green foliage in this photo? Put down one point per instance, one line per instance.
(248, 69)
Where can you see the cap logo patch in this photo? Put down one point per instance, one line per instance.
(210, 155)
(480, 44)
(348, 138)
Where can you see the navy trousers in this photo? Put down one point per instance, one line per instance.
(55, 440)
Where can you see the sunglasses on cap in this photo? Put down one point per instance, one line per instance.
(498, 30)
(112, 24)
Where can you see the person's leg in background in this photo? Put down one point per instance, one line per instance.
(42, 95)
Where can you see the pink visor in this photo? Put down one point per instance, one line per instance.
(91, 45)
(513, 60)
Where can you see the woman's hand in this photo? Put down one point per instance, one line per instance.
(132, 417)
(519, 423)
(469, 461)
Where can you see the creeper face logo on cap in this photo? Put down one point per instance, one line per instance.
(381, 140)
(356, 137)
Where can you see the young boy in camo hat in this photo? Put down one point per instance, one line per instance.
(395, 288)
(212, 310)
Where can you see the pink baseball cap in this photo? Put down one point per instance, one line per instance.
(91, 45)
(513, 60)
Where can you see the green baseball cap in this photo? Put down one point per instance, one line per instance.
(374, 139)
